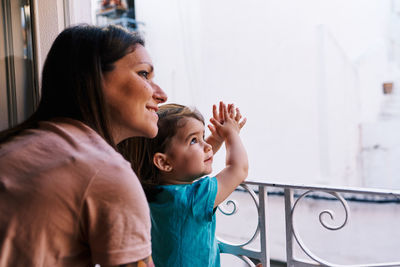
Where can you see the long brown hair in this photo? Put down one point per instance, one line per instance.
(73, 73)
(139, 151)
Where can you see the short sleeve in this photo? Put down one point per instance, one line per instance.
(116, 218)
(203, 194)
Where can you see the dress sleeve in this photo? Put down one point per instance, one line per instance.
(116, 218)
(203, 197)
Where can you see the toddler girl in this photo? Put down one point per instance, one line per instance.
(170, 167)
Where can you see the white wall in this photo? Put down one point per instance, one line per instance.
(49, 21)
(305, 73)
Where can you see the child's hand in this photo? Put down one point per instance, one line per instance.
(237, 116)
(226, 121)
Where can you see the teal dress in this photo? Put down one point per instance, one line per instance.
(183, 225)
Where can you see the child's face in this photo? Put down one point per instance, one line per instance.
(189, 155)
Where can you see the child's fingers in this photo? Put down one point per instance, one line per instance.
(212, 129)
(216, 124)
(225, 112)
(232, 111)
(238, 115)
(215, 113)
(229, 108)
(221, 112)
(242, 123)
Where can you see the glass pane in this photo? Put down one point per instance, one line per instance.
(3, 77)
(18, 88)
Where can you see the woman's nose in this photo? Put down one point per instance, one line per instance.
(159, 95)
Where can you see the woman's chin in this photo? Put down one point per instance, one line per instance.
(152, 133)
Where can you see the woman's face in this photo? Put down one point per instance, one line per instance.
(132, 97)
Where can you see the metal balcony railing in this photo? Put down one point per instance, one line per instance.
(292, 195)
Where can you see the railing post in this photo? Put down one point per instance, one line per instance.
(289, 222)
(263, 225)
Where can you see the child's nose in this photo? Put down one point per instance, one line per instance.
(207, 146)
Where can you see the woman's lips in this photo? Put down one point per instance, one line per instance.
(209, 159)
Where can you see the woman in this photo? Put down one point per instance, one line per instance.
(67, 197)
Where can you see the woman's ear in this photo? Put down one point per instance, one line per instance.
(161, 161)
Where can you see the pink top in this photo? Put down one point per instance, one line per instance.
(67, 198)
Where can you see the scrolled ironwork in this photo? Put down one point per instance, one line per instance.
(243, 258)
(255, 199)
(330, 227)
(228, 203)
(331, 214)
(246, 260)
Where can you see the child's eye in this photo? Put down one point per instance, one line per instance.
(193, 141)
(144, 74)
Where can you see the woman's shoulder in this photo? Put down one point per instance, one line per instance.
(76, 136)
(65, 144)
(71, 131)
(87, 145)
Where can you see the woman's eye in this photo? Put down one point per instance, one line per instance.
(193, 141)
(144, 74)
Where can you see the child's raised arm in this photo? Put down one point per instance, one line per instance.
(236, 169)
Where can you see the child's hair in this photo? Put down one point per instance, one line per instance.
(171, 118)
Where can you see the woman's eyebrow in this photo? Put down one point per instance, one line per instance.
(147, 63)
